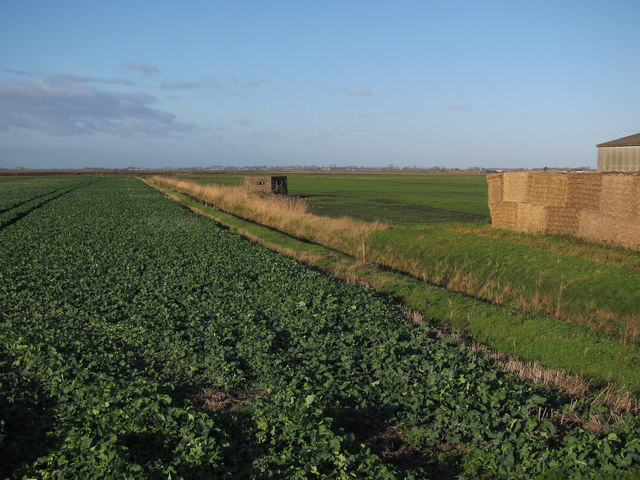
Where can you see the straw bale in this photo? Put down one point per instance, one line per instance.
(618, 195)
(636, 179)
(515, 186)
(562, 220)
(495, 183)
(628, 232)
(596, 227)
(584, 190)
(503, 214)
(595, 206)
(531, 218)
(548, 189)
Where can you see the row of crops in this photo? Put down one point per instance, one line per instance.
(140, 340)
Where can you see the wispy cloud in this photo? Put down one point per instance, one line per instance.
(16, 72)
(65, 79)
(182, 85)
(240, 90)
(256, 82)
(211, 82)
(257, 137)
(69, 105)
(264, 135)
(459, 108)
(145, 68)
(358, 91)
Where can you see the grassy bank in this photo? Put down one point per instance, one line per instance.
(530, 277)
(286, 214)
(566, 349)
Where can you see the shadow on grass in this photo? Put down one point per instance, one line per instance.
(28, 417)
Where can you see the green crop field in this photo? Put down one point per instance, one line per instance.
(400, 199)
(139, 340)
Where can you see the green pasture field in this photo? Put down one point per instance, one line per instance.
(398, 198)
(139, 340)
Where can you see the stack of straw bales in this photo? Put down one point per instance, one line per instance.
(601, 207)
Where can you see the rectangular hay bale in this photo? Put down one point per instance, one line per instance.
(515, 186)
(584, 190)
(495, 183)
(618, 195)
(636, 179)
(531, 218)
(503, 214)
(596, 227)
(562, 220)
(548, 189)
(628, 232)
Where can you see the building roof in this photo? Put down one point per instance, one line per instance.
(630, 141)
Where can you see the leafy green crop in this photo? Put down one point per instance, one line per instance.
(118, 309)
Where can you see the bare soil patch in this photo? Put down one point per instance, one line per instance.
(214, 399)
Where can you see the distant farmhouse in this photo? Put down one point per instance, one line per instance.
(270, 184)
(621, 155)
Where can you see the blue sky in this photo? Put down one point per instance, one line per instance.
(367, 83)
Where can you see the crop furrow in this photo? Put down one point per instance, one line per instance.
(16, 217)
(23, 202)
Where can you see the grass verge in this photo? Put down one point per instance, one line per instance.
(588, 287)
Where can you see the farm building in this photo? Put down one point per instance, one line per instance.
(270, 184)
(621, 155)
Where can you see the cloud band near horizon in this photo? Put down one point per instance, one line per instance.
(68, 105)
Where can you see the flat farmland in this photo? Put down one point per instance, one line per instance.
(438, 232)
(399, 198)
(140, 340)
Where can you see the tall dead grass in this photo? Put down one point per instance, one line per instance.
(286, 214)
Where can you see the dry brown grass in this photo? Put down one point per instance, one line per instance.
(286, 214)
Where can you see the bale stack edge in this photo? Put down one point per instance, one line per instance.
(599, 207)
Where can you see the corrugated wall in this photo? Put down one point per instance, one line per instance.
(599, 207)
(619, 159)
